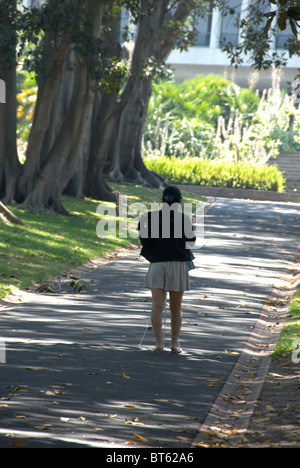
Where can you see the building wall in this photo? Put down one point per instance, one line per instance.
(207, 57)
(244, 76)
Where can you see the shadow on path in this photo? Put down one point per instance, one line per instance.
(75, 375)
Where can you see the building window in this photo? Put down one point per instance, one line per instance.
(283, 36)
(229, 22)
(204, 30)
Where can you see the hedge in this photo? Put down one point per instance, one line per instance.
(196, 171)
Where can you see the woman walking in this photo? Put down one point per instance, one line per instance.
(166, 236)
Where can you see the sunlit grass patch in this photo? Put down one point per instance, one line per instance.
(291, 330)
(49, 244)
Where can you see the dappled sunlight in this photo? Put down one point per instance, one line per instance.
(76, 375)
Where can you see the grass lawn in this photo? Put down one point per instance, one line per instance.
(51, 244)
(291, 329)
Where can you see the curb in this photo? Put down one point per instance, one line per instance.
(21, 296)
(248, 194)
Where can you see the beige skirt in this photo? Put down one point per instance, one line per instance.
(169, 276)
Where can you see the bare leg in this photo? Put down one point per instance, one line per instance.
(175, 308)
(158, 302)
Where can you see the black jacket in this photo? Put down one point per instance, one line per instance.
(164, 236)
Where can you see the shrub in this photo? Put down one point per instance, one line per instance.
(202, 97)
(211, 117)
(197, 171)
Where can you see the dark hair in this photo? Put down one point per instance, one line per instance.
(171, 194)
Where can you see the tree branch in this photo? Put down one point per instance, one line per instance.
(9, 216)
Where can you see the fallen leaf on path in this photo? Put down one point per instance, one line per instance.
(134, 423)
(45, 427)
(19, 443)
(270, 408)
(140, 438)
(286, 364)
(236, 414)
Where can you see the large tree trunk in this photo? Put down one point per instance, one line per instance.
(106, 114)
(127, 135)
(8, 216)
(65, 156)
(152, 42)
(150, 178)
(60, 104)
(9, 163)
(47, 90)
(126, 167)
(75, 139)
(107, 140)
(103, 129)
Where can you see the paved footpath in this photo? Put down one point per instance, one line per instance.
(76, 376)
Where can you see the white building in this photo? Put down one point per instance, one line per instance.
(207, 56)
